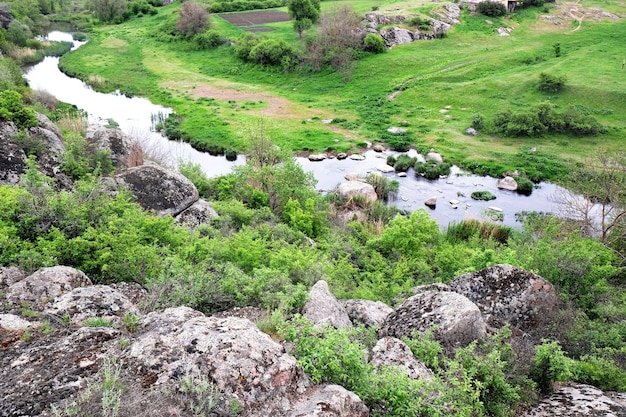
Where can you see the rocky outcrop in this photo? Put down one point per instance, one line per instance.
(9, 275)
(390, 351)
(329, 401)
(200, 212)
(12, 156)
(159, 189)
(351, 189)
(510, 294)
(369, 313)
(507, 183)
(324, 309)
(578, 400)
(94, 301)
(458, 321)
(125, 152)
(39, 289)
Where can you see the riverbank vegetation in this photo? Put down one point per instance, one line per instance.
(472, 75)
(276, 236)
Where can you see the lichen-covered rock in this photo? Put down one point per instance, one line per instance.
(578, 400)
(241, 360)
(512, 295)
(42, 372)
(369, 313)
(42, 287)
(12, 156)
(434, 156)
(200, 212)
(352, 189)
(458, 320)
(94, 301)
(390, 351)
(9, 275)
(159, 189)
(13, 322)
(324, 309)
(48, 133)
(125, 152)
(329, 401)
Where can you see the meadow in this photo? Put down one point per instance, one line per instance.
(433, 88)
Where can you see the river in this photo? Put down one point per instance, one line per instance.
(134, 118)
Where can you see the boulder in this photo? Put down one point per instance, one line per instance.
(35, 375)
(232, 352)
(512, 295)
(329, 401)
(159, 189)
(94, 301)
(378, 148)
(434, 156)
(42, 287)
(9, 275)
(471, 131)
(13, 322)
(50, 159)
(357, 157)
(397, 36)
(317, 157)
(324, 309)
(579, 400)
(200, 212)
(431, 202)
(125, 152)
(458, 320)
(449, 13)
(390, 351)
(342, 155)
(507, 183)
(385, 168)
(351, 189)
(351, 176)
(12, 156)
(396, 130)
(5, 15)
(369, 313)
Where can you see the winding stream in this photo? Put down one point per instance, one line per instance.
(134, 118)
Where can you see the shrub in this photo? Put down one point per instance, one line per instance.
(404, 162)
(384, 187)
(483, 195)
(550, 365)
(374, 43)
(192, 19)
(209, 39)
(13, 109)
(524, 185)
(549, 83)
(271, 52)
(491, 8)
(419, 22)
(431, 170)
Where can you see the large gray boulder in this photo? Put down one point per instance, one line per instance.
(369, 313)
(512, 295)
(12, 156)
(507, 183)
(578, 400)
(390, 351)
(324, 309)
(94, 301)
(42, 287)
(159, 189)
(9, 275)
(200, 212)
(458, 321)
(125, 152)
(242, 361)
(397, 36)
(351, 189)
(329, 401)
(434, 156)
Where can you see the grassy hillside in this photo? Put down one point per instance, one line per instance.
(471, 71)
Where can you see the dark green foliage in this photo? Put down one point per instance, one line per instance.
(556, 47)
(550, 365)
(483, 195)
(225, 6)
(10, 75)
(549, 83)
(13, 109)
(18, 33)
(170, 126)
(524, 185)
(374, 43)
(478, 121)
(264, 51)
(110, 10)
(431, 170)
(491, 8)
(141, 8)
(404, 162)
(419, 23)
(209, 39)
(391, 160)
(304, 12)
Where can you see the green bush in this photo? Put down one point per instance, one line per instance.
(374, 43)
(404, 162)
(209, 39)
(12, 109)
(491, 8)
(524, 185)
(271, 52)
(549, 83)
(550, 365)
(431, 170)
(483, 195)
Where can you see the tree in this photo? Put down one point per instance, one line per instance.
(192, 19)
(598, 197)
(108, 10)
(304, 12)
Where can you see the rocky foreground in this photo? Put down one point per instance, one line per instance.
(99, 325)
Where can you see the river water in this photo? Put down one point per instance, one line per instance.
(134, 116)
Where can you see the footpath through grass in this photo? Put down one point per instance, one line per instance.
(434, 88)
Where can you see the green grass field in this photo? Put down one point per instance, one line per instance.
(432, 87)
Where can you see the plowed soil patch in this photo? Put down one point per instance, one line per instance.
(255, 18)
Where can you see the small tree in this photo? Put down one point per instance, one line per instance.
(374, 43)
(549, 83)
(192, 19)
(491, 8)
(304, 12)
(108, 10)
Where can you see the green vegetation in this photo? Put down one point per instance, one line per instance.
(483, 195)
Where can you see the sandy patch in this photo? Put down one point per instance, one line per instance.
(276, 106)
(114, 43)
